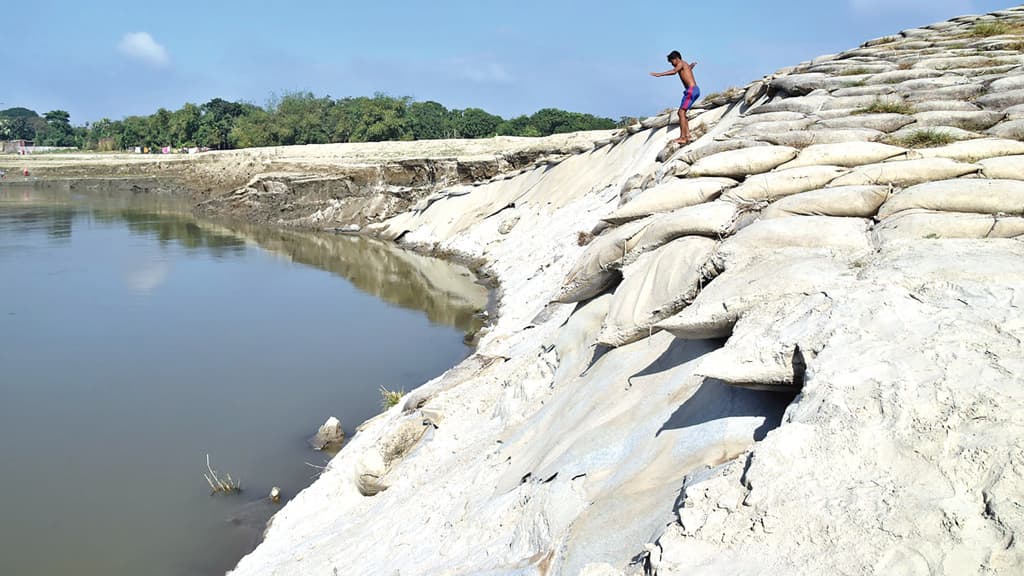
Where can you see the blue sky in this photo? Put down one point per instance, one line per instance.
(112, 59)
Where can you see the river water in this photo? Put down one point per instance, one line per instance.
(135, 340)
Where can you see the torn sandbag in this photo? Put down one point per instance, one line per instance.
(722, 302)
(594, 272)
(655, 287)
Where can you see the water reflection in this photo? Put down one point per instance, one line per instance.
(447, 293)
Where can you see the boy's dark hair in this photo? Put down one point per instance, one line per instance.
(673, 55)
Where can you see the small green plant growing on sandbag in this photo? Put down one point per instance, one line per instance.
(924, 139)
(218, 485)
(390, 398)
(886, 107)
(986, 29)
(727, 95)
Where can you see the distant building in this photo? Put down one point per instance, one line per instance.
(17, 146)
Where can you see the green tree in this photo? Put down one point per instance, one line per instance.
(254, 130)
(57, 131)
(428, 120)
(372, 119)
(134, 131)
(183, 125)
(217, 120)
(474, 123)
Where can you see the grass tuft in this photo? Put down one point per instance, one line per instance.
(924, 139)
(885, 107)
(728, 94)
(986, 29)
(390, 398)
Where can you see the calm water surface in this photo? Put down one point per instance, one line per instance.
(135, 339)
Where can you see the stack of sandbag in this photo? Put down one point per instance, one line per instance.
(958, 208)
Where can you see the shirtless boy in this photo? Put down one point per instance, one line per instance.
(690, 94)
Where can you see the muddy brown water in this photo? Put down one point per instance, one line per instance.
(136, 339)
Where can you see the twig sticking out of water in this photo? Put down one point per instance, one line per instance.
(227, 485)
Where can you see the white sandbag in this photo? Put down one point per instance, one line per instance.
(847, 201)
(805, 138)
(594, 271)
(898, 76)
(1008, 83)
(691, 154)
(860, 102)
(770, 186)
(767, 346)
(979, 195)
(1012, 129)
(803, 104)
(822, 235)
(951, 63)
(711, 219)
(903, 173)
(744, 162)
(974, 150)
(973, 121)
(930, 83)
(912, 225)
(848, 154)
(755, 129)
(800, 84)
(961, 92)
(657, 286)
(910, 133)
(945, 105)
(673, 194)
(721, 303)
(863, 91)
(769, 117)
(1005, 167)
(881, 122)
(1015, 112)
(1001, 100)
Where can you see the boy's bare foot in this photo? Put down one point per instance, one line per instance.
(681, 141)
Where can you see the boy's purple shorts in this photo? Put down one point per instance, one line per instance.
(690, 97)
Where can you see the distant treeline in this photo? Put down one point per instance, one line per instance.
(295, 118)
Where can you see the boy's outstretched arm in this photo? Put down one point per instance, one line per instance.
(675, 70)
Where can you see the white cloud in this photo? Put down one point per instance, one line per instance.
(145, 279)
(141, 46)
(930, 6)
